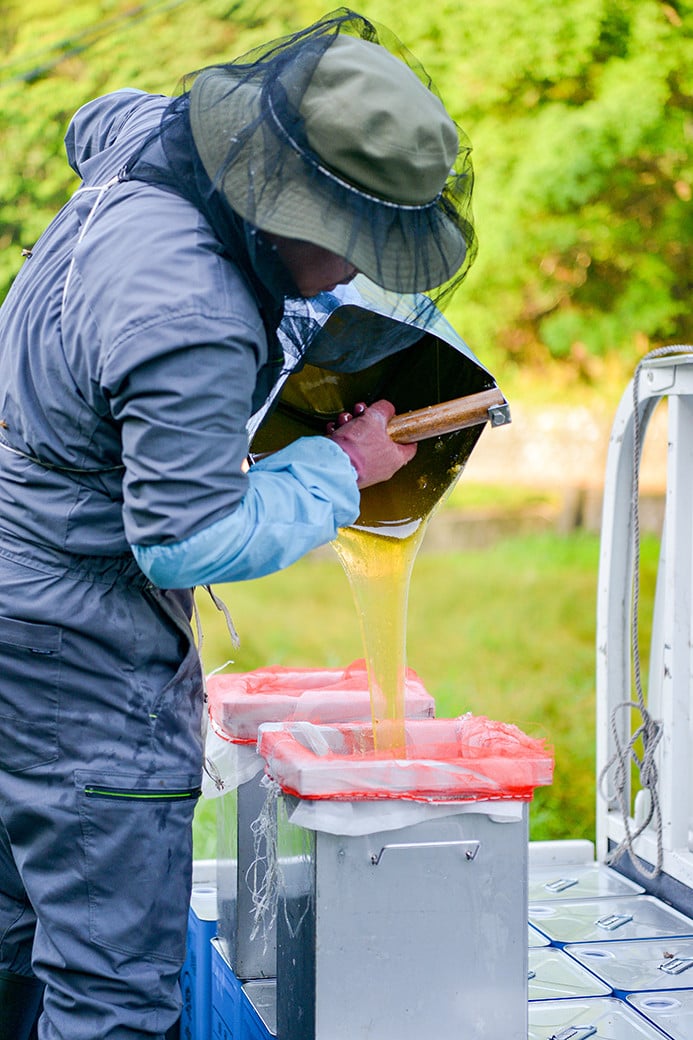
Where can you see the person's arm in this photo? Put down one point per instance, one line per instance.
(182, 406)
(296, 500)
(191, 514)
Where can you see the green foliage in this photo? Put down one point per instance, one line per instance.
(579, 114)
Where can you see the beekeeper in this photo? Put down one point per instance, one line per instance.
(137, 342)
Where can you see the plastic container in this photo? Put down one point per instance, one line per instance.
(579, 881)
(196, 975)
(259, 1010)
(560, 854)
(469, 758)
(672, 1012)
(636, 967)
(590, 1018)
(553, 976)
(238, 704)
(226, 997)
(535, 939)
(600, 920)
(411, 906)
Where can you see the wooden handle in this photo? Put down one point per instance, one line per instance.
(437, 419)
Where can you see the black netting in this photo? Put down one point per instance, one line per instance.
(237, 143)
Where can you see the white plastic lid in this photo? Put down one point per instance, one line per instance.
(203, 901)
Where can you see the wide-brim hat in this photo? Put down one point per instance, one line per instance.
(346, 149)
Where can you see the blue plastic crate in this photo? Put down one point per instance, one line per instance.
(259, 1010)
(672, 1011)
(195, 979)
(226, 997)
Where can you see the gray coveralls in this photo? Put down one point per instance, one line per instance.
(124, 400)
(133, 358)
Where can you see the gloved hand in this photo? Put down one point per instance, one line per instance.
(364, 437)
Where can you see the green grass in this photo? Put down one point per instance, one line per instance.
(513, 499)
(506, 631)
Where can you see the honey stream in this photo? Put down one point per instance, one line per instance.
(378, 557)
(378, 551)
(379, 571)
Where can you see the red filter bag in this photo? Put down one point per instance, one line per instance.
(239, 704)
(470, 758)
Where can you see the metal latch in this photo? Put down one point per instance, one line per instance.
(676, 965)
(560, 884)
(575, 1033)
(613, 921)
(470, 848)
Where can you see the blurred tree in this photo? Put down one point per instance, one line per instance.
(580, 115)
(583, 144)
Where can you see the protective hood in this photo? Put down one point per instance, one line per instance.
(103, 134)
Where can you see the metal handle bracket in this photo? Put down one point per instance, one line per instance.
(676, 965)
(575, 1033)
(470, 848)
(610, 922)
(560, 884)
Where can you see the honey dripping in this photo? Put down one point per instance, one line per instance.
(378, 567)
(378, 551)
(378, 558)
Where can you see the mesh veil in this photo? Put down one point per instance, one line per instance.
(269, 150)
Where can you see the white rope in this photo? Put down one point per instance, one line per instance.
(207, 763)
(265, 876)
(650, 730)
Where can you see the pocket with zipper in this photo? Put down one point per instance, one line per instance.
(136, 795)
(137, 837)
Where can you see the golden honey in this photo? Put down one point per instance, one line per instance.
(379, 550)
(378, 559)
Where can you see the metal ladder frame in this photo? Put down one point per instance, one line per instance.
(670, 685)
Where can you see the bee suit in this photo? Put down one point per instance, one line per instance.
(136, 344)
